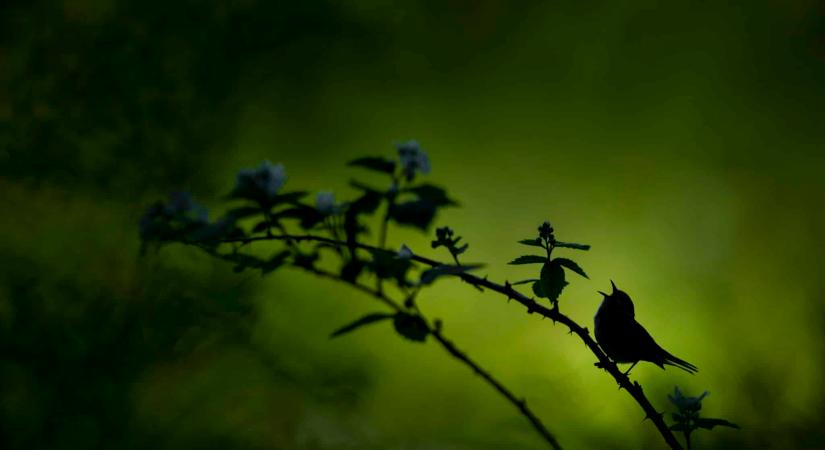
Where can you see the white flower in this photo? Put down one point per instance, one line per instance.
(263, 181)
(404, 252)
(413, 159)
(325, 202)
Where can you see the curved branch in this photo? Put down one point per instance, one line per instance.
(633, 388)
(435, 331)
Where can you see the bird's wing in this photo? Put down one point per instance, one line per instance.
(649, 350)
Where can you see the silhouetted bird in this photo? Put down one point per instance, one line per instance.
(624, 340)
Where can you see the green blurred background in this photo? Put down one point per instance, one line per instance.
(683, 141)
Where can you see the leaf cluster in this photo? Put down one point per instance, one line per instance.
(551, 279)
(687, 419)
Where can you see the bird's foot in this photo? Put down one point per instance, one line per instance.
(627, 373)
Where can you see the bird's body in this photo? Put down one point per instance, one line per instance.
(624, 340)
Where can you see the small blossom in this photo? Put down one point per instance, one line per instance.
(181, 204)
(325, 203)
(179, 212)
(263, 181)
(404, 252)
(413, 159)
(684, 403)
(546, 230)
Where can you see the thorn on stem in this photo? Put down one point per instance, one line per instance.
(656, 414)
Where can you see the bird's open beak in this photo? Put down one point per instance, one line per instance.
(614, 286)
(600, 292)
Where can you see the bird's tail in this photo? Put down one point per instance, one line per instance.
(680, 363)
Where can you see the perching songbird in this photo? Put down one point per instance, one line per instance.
(624, 340)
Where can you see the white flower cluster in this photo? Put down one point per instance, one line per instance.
(325, 203)
(413, 159)
(263, 181)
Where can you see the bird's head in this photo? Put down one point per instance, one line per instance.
(618, 301)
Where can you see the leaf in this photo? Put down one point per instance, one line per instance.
(433, 194)
(528, 259)
(552, 280)
(677, 427)
(289, 197)
(523, 282)
(306, 260)
(366, 204)
(309, 217)
(430, 275)
(416, 213)
(569, 264)
(351, 270)
(411, 327)
(376, 163)
(537, 290)
(533, 242)
(243, 212)
(385, 264)
(274, 262)
(212, 233)
(243, 261)
(708, 423)
(366, 320)
(571, 245)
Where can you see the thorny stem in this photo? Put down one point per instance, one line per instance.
(633, 388)
(385, 222)
(521, 404)
(435, 331)
(382, 238)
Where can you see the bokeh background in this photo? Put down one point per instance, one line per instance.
(684, 141)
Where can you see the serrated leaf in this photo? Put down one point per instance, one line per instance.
(416, 213)
(411, 327)
(570, 264)
(430, 275)
(571, 245)
(432, 193)
(552, 280)
(528, 259)
(376, 163)
(366, 320)
(709, 423)
(533, 242)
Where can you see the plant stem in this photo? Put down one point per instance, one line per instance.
(633, 388)
(521, 404)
